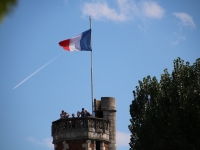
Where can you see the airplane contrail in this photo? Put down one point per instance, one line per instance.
(36, 72)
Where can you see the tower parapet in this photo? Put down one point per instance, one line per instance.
(84, 128)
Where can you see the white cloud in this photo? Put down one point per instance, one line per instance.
(123, 139)
(31, 139)
(47, 142)
(101, 11)
(179, 38)
(126, 10)
(152, 9)
(186, 20)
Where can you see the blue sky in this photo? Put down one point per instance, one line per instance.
(131, 39)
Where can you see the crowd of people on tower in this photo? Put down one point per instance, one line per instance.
(83, 113)
(80, 123)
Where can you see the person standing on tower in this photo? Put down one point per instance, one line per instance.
(73, 121)
(62, 114)
(87, 114)
(83, 112)
(66, 115)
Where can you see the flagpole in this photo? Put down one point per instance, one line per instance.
(92, 92)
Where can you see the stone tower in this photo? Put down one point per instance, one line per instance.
(88, 133)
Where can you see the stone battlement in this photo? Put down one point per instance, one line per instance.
(80, 128)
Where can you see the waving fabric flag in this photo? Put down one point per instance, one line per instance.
(80, 42)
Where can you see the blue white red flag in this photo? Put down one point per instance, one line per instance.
(80, 42)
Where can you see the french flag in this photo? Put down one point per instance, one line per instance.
(80, 42)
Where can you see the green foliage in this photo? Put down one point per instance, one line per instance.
(6, 7)
(166, 114)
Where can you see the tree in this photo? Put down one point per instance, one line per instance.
(166, 114)
(6, 7)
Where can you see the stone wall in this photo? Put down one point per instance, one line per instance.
(76, 145)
